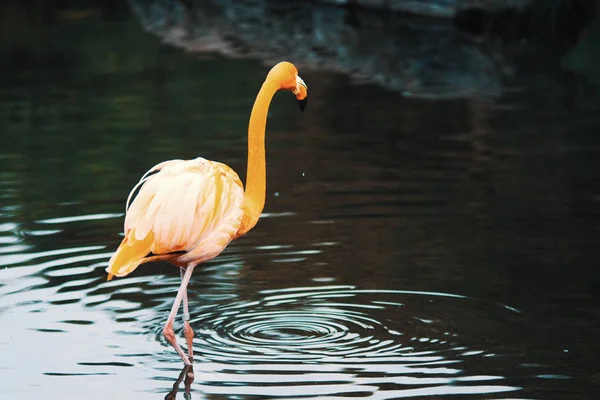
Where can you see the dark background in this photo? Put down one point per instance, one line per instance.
(448, 155)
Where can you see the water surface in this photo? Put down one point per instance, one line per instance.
(410, 248)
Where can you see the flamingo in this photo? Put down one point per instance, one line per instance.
(187, 211)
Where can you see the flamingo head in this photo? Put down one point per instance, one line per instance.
(286, 76)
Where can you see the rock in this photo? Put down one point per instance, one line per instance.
(436, 8)
(419, 57)
(415, 55)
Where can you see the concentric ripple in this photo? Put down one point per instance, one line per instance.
(335, 340)
(292, 333)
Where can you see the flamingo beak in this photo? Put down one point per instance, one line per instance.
(301, 93)
(302, 104)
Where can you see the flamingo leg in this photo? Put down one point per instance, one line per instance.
(168, 329)
(187, 328)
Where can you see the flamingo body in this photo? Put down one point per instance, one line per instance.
(186, 211)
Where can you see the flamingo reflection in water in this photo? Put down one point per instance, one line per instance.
(187, 211)
(187, 377)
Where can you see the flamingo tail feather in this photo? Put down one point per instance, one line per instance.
(130, 254)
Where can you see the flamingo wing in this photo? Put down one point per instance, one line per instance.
(185, 212)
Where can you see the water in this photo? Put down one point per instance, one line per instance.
(411, 247)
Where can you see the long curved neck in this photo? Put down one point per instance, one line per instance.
(256, 176)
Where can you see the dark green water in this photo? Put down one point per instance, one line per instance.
(410, 247)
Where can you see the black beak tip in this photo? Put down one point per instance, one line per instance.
(302, 104)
